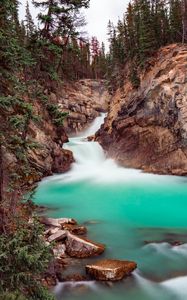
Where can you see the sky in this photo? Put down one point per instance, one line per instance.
(97, 16)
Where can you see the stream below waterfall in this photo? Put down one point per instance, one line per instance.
(136, 215)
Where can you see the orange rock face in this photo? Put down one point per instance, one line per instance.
(146, 128)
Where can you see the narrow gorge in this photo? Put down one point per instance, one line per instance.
(93, 150)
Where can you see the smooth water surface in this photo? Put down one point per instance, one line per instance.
(133, 213)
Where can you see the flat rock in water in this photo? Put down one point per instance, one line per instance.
(81, 247)
(58, 236)
(110, 270)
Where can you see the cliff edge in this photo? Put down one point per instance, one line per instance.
(146, 128)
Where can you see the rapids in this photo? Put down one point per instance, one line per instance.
(136, 215)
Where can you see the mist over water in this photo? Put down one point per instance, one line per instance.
(135, 214)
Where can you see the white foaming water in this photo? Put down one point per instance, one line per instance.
(61, 287)
(178, 286)
(167, 250)
(92, 164)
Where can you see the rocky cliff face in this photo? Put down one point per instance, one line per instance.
(146, 128)
(83, 100)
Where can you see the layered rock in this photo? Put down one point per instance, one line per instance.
(146, 128)
(49, 157)
(67, 231)
(110, 270)
(83, 100)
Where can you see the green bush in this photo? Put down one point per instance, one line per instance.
(23, 258)
(56, 115)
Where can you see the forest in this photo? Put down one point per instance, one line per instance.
(34, 58)
(146, 26)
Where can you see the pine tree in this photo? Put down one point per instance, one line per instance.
(175, 21)
(131, 33)
(58, 18)
(147, 42)
(29, 23)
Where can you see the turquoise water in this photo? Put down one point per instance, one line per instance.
(129, 212)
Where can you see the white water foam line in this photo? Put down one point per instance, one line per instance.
(167, 249)
(176, 287)
(64, 285)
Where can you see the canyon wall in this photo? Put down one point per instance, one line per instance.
(83, 100)
(146, 128)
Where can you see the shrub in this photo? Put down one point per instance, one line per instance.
(24, 256)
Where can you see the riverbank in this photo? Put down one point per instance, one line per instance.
(69, 244)
(140, 217)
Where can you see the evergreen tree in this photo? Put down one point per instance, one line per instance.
(175, 21)
(29, 23)
(59, 16)
(146, 26)
(147, 42)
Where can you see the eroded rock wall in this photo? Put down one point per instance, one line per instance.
(146, 128)
(83, 100)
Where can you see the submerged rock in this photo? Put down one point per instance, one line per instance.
(81, 247)
(75, 277)
(111, 270)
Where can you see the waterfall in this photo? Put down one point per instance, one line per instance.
(91, 162)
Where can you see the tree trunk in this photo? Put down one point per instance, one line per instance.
(1, 174)
(184, 21)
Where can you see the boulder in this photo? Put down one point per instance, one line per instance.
(51, 230)
(58, 236)
(50, 222)
(63, 221)
(81, 247)
(59, 251)
(110, 270)
(75, 229)
(57, 222)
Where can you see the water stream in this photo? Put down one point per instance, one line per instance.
(136, 215)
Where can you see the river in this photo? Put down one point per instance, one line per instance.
(135, 214)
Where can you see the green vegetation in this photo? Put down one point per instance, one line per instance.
(147, 25)
(33, 62)
(24, 257)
